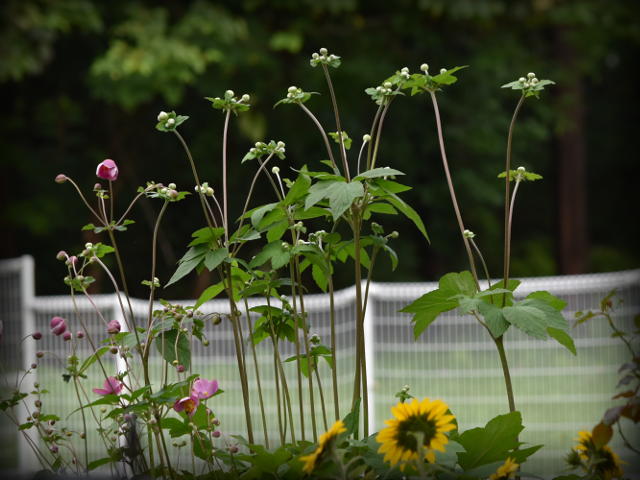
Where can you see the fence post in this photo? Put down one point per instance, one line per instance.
(370, 354)
(28, 353)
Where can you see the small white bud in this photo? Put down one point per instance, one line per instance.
(275, 170)
(531, 75)
(230, 93)
(217, 98)
(258, 144)
(378, 89)
(366, 138)
(521, 169)
(170, 122)
(388, 85)
(443, 70)
(292, 88)
(172, 186)
(315, 56)
(163, 116)
(197, 189)
(245, 97)
(289, 95)
(281, 150)
(252, 150)
(323, 51)
(522, 79)
(88, 245)
(405, 70)
(332, 57)
(281, 144)
(534, 81)
(209, 192)
(424, 67)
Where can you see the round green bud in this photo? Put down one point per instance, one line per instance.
(366, 138)
(388, 85)
(323, 51)
(230, 93)
(424, 67)
(205, 342)
(172, 186)
(443, 70)
(275, 170)
(175, 362)
(522, 79)
(103, 410)
(245, 98)
(209, 192)
(521, 169)
(531, 75)
(394, 234)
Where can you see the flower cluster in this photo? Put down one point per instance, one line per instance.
(602, 459)
(323, 58)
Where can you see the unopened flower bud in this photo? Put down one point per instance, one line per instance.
(531, 75)
(83, 435)
(315, 56)
(217, 320)
(174, 194)
(522, 79)
(38, 404)
(534, 81)
(216, 434)
(49, 431)
(39, 354)
(424, 67)
(275, 170)
(66, 336)
(234, 449)
(62, 255)
(245, 98)
(175, 444)
(170, 122)
(388, 84)
(366, 138)
(113, 327)
(36, 335)
(205, 342)
(69, 434)
(163, 116)
(36, 385)
(113, 350)
(209, 192)
(34, 366)
(61, 178)
(323, 51)
(80, 334)
(215, 421)
(97, 186)
(405, 70)
(172, 186)
(180, 369)
(395, 234)
(521, 169)
(53, 449)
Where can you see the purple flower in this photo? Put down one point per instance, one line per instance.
(67, 336)
(80, 334)
(204, 389)
(187, 404)
(111, 386)
(58, 326)
(107, 170)
(114, 327)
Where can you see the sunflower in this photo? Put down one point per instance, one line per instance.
(325, 446)
(429, 418)
(610, 468)
(505, 472)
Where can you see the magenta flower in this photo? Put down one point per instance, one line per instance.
(58, 326)
(111, 386)
(107, 170)
(204, 389)
(114, 327)
(187, 404)
(67, 336)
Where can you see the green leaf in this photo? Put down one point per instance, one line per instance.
(429, 306)
(184, 353)
(312, 212)
(492, 443)
(494, 318)
(411, 214)
(300, 189)
(258, 214)
(378, 172)
(25, 426)
(563, 338)
(447, 78)
(278, 230)
(209, 293)
(93, 358)
(528, 319)
(554, 317)
(176, 427)
(555, 302)
(351, 421)
(91, 226)
(214, 258)
(319, 276)
(497, 299)
(382, 207)
(98, 463)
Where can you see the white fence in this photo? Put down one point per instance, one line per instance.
(557, 393)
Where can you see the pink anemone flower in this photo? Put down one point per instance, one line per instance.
(111, 386)
(187, 404)
(204, 389)
(107, 170)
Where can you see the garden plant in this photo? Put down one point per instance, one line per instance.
(141, 416)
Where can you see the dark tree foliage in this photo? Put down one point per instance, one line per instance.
(83, 81)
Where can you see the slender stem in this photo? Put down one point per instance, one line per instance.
(508, 246)
(384, 113)
(324, 410)
(486, 270)
(506, 206)
(151, 459)
(305, 334)
(335, 110)
(153, 268)
(332, 312)
(224, 177)
(111, 200)
(324, 135)
(297, 343)
(275, 374)
(84, 424)
(451, 190)
(131, 205)
(255, 362)
(505, 369)
(372, 134)
(87, 203)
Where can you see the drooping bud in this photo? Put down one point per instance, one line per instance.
(58, 326)
(61, 178)
(113, 350)
(34, 366)
(66, 336)
(114, 327)
(216, 434)
(233, 449)
(180, 369)
(36, 335)
(39, 354)
(62, 255)
(80, 334)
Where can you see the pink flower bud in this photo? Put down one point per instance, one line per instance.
(107, 170)
(36, 335)
(114, 327)
(73, 261)
(80, 334)
(53, 449)
(34, 366)
(62, 255)
(216, 434)
(58, 326)
(173, 194)
(233, 449)
(180, 368)
(61, 179)
(39, 354)
(67, 336)
(97, 186)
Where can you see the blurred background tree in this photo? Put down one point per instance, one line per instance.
(83, 81)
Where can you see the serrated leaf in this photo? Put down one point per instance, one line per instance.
(494, 318)
(299, 189)
(563, 338)
(93, 358)
(555, 302)
(553, 317)
(259, 213)
(528, 319)
(492, 443)
(214, 258)
(176, 427)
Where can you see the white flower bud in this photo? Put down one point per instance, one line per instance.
(281, 144)
(275, 170)
(163, 116)
(323, 51)
(315, 56)
(424, 67)
(209, 192)
(531, 75)
(443, 70)
(522, 79)
(366, 138)
(292, 89)
(258, 144)
(252, 150)
(534, 81)
(405, 70)
(245, 98)
(521, 169)
(172, 186)
(197, 189)
(88, 245)
(289, 95)
(332, 57)
(230, 93)
(526, 85)
(378, 89)
(388, 85)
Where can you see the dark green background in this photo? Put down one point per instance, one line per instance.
(83, 81)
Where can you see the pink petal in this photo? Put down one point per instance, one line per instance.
(100, 391)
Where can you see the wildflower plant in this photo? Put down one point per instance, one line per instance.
(135, 412)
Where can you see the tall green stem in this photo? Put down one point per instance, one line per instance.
(297, 342)
(332, 313)
(452, 191)
(335, 110)
(505, 370)
(506, 201)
